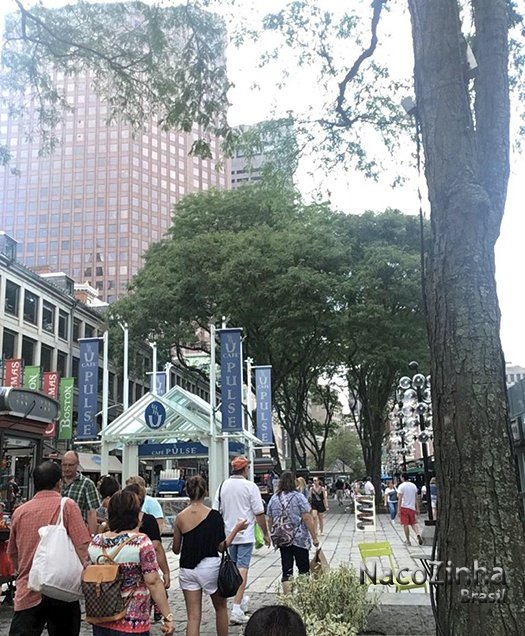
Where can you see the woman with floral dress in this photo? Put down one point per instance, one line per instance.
(138, 566)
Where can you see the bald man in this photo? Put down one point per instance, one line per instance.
(80, 489)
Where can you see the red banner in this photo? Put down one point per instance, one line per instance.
(50, 387)
(51, 384)
(13, 373)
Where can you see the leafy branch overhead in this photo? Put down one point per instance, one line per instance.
(148, 63)
(355, 95)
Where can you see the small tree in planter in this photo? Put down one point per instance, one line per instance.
(333, 604)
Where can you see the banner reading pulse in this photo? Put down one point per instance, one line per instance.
(231, 380)
(263, 396)
(88, 388)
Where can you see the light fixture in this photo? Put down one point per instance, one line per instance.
(405, 382)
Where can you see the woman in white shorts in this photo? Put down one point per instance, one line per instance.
(199, 537)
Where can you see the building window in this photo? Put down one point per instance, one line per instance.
(62, 364)
(30, 307)
(12, 296)
(9, 345)
(76, 365)
(48, 317)
(46, 358)
(63, 321)
(89, 331)
(28, 351)
(76, 330)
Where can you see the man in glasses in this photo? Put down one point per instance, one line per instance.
(80, 489)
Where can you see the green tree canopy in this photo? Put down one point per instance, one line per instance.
(345, 446)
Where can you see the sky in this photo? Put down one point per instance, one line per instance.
(250, 106)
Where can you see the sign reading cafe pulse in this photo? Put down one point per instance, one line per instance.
(263, 396)
(87, 388)
(231, 380)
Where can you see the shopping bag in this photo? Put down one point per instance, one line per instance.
(56, 568)
(230, 579)
(259, 537)
(319, 564)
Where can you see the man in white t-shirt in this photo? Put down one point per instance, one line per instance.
(241, 499)
(369, 487)
(408, 508)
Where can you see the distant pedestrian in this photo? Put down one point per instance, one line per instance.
(80, 489)
(13, 492)
(339, 491)
(107, 487)
(391, 499)
(369, 487)
(33, 610)
(319, 502)
(275, 620)
(301, 486)
(241, 499)
(408, 508)
(150, 506)
(433, 497)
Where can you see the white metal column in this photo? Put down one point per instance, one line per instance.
(104, 448)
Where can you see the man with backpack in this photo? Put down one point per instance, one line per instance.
(33, 610)
(238, 498)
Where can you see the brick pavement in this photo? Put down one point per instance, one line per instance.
(340, 546)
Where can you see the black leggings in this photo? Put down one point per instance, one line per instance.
(302, 560)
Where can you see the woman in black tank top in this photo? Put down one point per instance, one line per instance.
(198, 537)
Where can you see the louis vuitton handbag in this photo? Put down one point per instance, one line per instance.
(102, 587)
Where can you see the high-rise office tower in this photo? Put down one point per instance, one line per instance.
(93, 206)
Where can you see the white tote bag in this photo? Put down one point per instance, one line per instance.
(56, 570)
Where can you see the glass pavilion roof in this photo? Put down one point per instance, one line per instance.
(187, 419)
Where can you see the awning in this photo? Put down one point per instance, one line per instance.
(187, 419)
(90, 463)
(418, 470)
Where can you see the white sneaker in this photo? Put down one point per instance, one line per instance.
(238, 617)
(245, 603)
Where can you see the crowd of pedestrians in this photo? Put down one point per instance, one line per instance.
(103, 518)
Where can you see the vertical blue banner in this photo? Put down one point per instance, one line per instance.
(231, 380)
(160, 379)
(263, 397)
(88, 388)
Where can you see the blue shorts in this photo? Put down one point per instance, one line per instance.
(241, 553)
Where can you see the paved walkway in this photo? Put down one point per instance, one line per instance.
(340, 546)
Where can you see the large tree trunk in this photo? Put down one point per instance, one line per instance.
(371, 444)
(467, 173)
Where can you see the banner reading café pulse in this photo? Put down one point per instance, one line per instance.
(87, 388)
(231, 380)
(263, 397)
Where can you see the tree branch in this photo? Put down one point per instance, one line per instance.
(377, 6)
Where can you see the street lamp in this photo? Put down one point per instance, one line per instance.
(415, 407)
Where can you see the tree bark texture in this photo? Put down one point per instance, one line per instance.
(466, 146)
